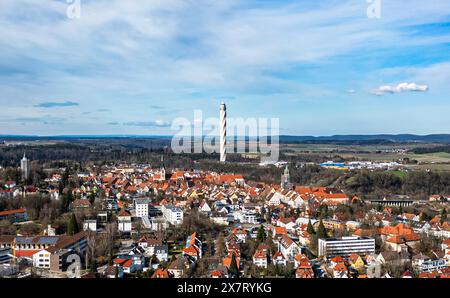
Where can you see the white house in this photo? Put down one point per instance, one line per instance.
(260, 258)
(124, 222)
(279, 259)
(275, 198)
(288, 247)
(204, 207)
(90, 225)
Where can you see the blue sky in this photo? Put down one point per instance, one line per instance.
(131, 67)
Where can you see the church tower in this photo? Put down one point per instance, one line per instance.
(286, 179)
(163, 169)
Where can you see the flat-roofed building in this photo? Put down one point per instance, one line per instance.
(345, 246)
(172, 214)
(141, 207)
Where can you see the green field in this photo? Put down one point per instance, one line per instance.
(430, 161)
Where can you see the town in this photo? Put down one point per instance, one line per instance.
(142, 220)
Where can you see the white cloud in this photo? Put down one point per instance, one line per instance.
(402, 87)
(150, 124)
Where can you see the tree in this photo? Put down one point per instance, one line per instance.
(321, 231)
(323, 211)
(233, 266)
(93, 266)
(443, 215)
(72, 227)
(220, 246)
(66, 200)
(261, 237)
(310, 228)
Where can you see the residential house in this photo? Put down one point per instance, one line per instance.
(260, 258)
(179, 268)
(278, 259)
(124, 221)
(356, 261)
(288, 247)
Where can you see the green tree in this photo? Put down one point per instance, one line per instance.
(423, 217)
(233, 266)
(93, 266)
(72, 227)
(310, 228)
(323, 211)
(139, 274)
(66, 200)
(261, 237)
(443, 215)
(321, 231)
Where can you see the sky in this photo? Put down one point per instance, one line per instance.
(132, 67)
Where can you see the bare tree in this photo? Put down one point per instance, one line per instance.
(91, 247)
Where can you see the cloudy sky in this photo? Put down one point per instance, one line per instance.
(131, 67)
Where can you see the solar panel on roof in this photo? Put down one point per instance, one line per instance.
(24, 240)
(48, 240)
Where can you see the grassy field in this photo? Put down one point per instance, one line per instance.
(430, 161)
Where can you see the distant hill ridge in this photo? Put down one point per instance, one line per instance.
(432, 138)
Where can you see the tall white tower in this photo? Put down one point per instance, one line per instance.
(25, 167)
(223, 132)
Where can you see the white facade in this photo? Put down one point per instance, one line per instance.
(124, 224)
(288, 248)
(204, 207)
(141, 207)
(41, 259)
(260, 262)
(220, 220)
(90, 225)
(25, 167)
(345, 246)
(246, 217)
(172, 214)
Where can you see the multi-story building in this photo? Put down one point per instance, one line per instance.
(56, 248)
(90, 225)
(345, 246)
(172, 214)
(141, 207)
(124, 222)
(288, 247)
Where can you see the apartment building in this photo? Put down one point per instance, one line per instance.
(141, 207)
(172, 214)
(345, 246)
